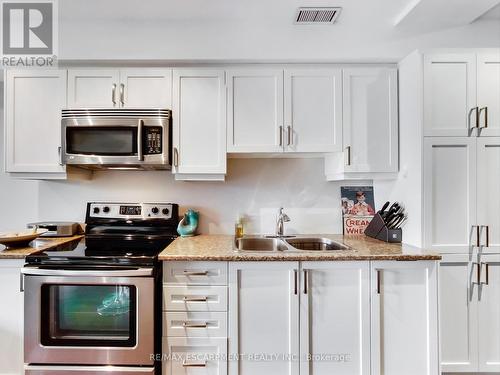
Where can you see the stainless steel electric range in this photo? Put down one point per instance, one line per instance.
(95, 308)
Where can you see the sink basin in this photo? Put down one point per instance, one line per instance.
(315, 244)
(260, 244)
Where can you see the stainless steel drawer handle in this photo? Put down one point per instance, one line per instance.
(194, 299)
(194, 325)
(195, 273)
(200, 364)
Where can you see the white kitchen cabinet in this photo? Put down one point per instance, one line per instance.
(449, 94)
(33, 103)
(370, 126)
(255, 110)
(458, 293)
(489, 314)
(11, 318)
(335, 318)
(264, 317)
(450, 194)
(404, 313)
(93, 88)
(488, 193)
(313, 110)
(488, 92)
(199, 124)
(126, 88)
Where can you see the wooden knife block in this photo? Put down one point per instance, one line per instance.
(377, 229)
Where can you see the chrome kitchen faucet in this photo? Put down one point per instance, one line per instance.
(282, 218)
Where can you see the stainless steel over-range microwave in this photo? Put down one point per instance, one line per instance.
(116, 138)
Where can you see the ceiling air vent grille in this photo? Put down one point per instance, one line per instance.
(323, 15)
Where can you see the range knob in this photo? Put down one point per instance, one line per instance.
(155, 210)
(165, 211)
(105, 209)
(96, 210)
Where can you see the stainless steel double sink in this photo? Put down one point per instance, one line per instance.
(255, 243)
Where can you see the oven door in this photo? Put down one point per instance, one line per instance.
(94, 141)
(95, 317)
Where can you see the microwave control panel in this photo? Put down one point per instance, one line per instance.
(153, 140)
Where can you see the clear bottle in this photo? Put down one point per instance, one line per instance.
(238, 227)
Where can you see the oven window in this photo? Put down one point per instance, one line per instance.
(88, 315)
(107, 141)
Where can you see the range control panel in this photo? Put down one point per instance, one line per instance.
(131, 210)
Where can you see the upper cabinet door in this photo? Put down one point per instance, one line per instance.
(370, 120)
(33, 103)
(449, 94)
(488, 92)
(255, 110)
(89, 88)
(199, 121)
(450, 194)
(488, 196)
(404, 315)
(335, 317)
(146, 88)
(313, 110)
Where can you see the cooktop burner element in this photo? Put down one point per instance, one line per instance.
(117, 234)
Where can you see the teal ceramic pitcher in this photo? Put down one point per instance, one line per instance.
(189, 223)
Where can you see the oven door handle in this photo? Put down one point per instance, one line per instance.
(34, 271)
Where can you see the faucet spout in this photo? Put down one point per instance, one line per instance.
(282, 218)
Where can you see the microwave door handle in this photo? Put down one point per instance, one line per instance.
(140, 127)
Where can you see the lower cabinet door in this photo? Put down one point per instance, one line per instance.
(335, 318)
(263, 318)
(200, 356)
(458, 291)
(489, 314)
(404, 318)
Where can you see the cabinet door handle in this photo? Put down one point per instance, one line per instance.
(195, 299)
(200, 364)
(122, 94)
(348, 150)
(485, 109)
(195, 273)
(295, 287)
(281, 135)
(478, 236)
(21, 282)
(306, 274)
(486, 272)
(289, 136)
(187, 324)
(478, 273)
(378, 282)
(487, 228)
(176, 157)
(476, 118)
(113, 94)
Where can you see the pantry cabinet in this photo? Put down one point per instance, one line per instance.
(33, 103)
(488, 92)
(370, 126)
(335, 318)
(199, 124)
(404, 318)
(264, 317)
(125, 88)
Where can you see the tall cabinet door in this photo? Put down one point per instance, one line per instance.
(404, 318)
(458, 293)
(264, 317)
(489, 314)
(488, 92)
(370, 120)
(199, 121)
(449, 94)
(146, 88)
(488, 193)
(93, 88)
(335, 318)
(313, 110)
(255, 110)
(450, 194)
(33, 103)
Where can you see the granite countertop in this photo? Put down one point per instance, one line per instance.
(221, 247)
(40, 244)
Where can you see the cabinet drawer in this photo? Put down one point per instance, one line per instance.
(195, 324)
(199, 356)
(194, 298)
(195, 273)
